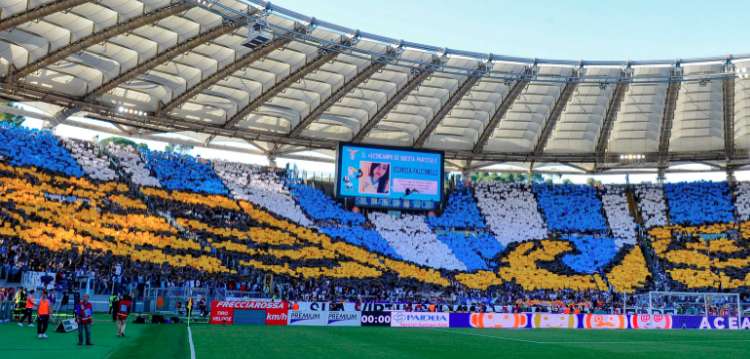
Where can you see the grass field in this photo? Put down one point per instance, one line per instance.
(227, 342)
(141, 342)
(398, 343)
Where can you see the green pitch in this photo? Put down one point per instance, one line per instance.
(401, 343)
(141, 341)
(227, 342)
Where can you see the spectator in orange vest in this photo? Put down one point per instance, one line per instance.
(28, 309)
(44, 310)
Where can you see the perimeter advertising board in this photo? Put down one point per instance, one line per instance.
(389, 177)
(344, 319)
(375, 318)
(420, 319)
(709, 323)
(650, 321)
(322, 318)
(308, 317)
(499, 320)
(324, 306)
(249, 312)
(605, 321)
(547, 320)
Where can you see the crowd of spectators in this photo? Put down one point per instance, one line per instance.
(322, 208)
(742, 200)
(360, 236)
(595, 252)
(262, 186)
(27, 147)
(130, 161)
(570, 208)
(337, 222)
(176, 237)
(460, 211)
(476, 250)
(511, 212)
(177, 171)
(414, 241)
(697, 203)
(618, 215)
(92, 159)
(651, 204)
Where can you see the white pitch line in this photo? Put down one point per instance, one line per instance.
(190, 340)
(597, 342)
(653, 341)
(492, 336)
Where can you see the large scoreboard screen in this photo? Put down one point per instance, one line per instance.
(390, 177)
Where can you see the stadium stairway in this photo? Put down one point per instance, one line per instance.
(603, 211)
(121, 174)
(633, 207)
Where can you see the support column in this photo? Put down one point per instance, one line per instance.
(530, 174)
(660, 177)
(465, 175)
(731, 179)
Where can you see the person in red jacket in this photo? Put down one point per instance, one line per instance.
(84, 317)
(124, 306)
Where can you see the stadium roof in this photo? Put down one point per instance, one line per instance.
(181, 71)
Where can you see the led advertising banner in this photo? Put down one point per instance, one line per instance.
(375, 319)
(344, 319)
(650, 321)
(304, 317)
(498, 320)
(249, 312)
(420, 320)
(605, 321)
(390, 177)
(546, 320)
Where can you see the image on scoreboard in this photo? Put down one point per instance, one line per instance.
(376, 178)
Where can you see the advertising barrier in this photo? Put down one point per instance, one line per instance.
(460, 320)
(307, 317)
(650, 321)
(380, 307)
(420, 319)
(325, 318)
(276, 316)
(249, 312)
(254, 317)
(268, 312)
(344, 319)
(375, 319)
(605, 321)
(323, 306)
(499, 320)
(221, 314)
(547, 320)
(709, 323)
